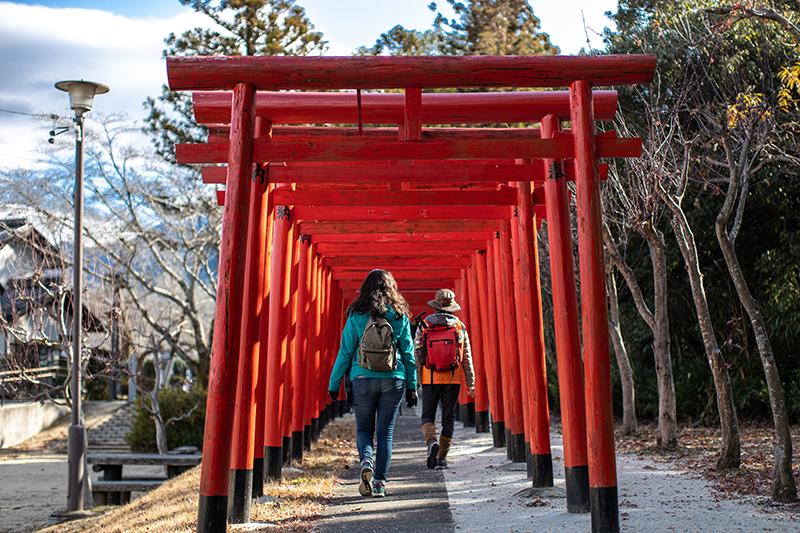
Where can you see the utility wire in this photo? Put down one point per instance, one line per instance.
(29, 114)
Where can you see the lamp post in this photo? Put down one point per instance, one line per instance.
(81, 97)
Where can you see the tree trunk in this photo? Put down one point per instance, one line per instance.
(784, 489)
(629, 424)
(667, 410)
(730, 452)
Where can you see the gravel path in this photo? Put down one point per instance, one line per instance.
(483, 488)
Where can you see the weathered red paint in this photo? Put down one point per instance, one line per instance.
(507, 196)
(378, 150)
(486, 294)
(387, 108)
(425, 175)
(226, 342)
(378, 72)
(476, 338)
(276, 349)
(400, 226)
(594, 307)
(301, 336)
(534, 326)
(565, 310)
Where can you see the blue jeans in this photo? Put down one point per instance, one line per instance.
(376, 401)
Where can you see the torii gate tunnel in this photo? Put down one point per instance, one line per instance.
(310, 210)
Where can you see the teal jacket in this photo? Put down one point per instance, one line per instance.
(348, 351)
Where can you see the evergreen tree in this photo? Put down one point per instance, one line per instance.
(241, 27)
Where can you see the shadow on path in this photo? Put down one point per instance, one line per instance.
(416, 496)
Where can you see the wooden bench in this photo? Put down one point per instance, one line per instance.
(114, 489)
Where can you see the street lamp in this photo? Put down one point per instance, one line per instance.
(81, 96)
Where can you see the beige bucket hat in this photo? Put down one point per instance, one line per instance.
(445, 300)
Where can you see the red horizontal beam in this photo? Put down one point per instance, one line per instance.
(400, 226)
(403, 237)
(365, 150)
(423, 174)
(332, 214)
(389, 263)
(400, 248)
(507, 196)
(407, 285)
(273, 73)
(387, 108)
(359, 275)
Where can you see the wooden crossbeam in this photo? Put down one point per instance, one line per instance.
(389, 263)
(400, 248)
(507, 197)
(387, 108)
(335, 213)
(434, 236)
(431, 285)
(422, 174)
(399, 226)
(276, 73)
(357, 150)
(420, 275)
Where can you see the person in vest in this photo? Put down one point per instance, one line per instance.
(376, 394)
(442, 385)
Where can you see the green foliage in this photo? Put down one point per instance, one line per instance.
(483, 27)
(174, 402)
(241, 27)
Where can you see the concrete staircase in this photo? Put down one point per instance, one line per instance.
(107, 423)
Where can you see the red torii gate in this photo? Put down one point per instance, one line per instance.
(243, 260)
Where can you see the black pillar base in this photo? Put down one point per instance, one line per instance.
(605, 509)
(498, 434)
(286, 450)
(307, 438)
(212, 514)
(528, 464)
(297, 446)
(240, 496)
(314, 429)
(468, 415)
(541, 470)
(482, 422)
(258, 477)
(509, 444)
(577, 480)
(272, 463)
(517, 447)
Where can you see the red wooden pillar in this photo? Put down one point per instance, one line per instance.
(568, 348)
(491, 357)
(312, 404)
(276, 348)
(328, 355)
(496, 296)
(215, 474)
(319, 371)
(288, 368)
(541, 462)
(477, 339)
(594, 313)
(244, 420)
(300, 348)
(523, 353)
(467, 402)
(515, 432)
(261, 384)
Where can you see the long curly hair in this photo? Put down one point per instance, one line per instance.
(377, 293)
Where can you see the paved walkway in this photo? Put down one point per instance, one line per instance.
(416, 496)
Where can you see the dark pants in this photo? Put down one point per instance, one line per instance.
(448, 395)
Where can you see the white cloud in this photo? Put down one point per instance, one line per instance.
(41, 46)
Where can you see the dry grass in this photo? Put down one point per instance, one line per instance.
(298, 499)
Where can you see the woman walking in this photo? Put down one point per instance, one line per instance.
(377, 394)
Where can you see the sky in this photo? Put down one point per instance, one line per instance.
(119, 43)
